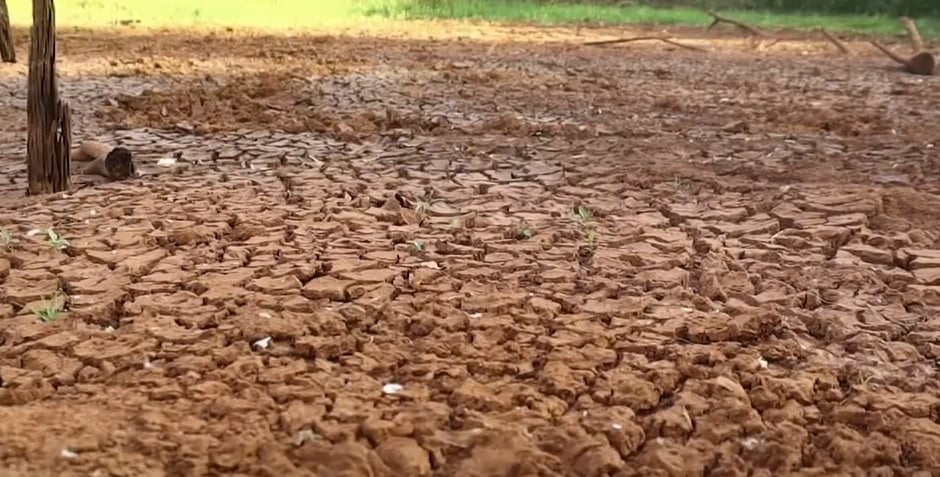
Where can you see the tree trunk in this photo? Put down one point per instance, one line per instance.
(7, 53)
(50, 135)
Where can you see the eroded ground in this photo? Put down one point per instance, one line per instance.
(367, 260)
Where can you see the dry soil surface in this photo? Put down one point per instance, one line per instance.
(367, 259)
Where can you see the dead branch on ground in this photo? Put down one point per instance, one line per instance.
(763, 46)
(7, 52)
(916, 41)
(716, 19)
(646, 38)
(49, 120)
(757, 36)
(839, 44)
(922, 63)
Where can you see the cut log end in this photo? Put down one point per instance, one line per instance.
(922, 63)
(119, 164)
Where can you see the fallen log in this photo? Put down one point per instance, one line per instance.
(923, 62)
(114, 163)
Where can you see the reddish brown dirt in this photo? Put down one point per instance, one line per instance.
(756, 294)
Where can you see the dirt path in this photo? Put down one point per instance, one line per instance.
(368, 260)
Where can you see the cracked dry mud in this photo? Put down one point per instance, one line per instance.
(757, 292)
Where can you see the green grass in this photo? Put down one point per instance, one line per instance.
(307, 14)
(560, 13)
(261, 14)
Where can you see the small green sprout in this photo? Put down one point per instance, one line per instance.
(585, 214)
(56, 241)
(5, 238)
(526, 232)
(590, 237)
(51, 308)
(417, 245)
(422, 204)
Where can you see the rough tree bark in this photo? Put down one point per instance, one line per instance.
(49, 119)
(7, 53)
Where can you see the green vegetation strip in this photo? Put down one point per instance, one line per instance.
(304, 14)
(562, 13)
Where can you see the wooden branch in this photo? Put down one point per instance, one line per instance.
(49, 119)
(7, 52)
(839, 44)
(916, 41)
(888, 53)
(761, 45)
(922, 63)
(716, 19)
(646, 38)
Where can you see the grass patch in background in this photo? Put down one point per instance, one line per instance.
(310, 14)
(561, 13)
(261, 14)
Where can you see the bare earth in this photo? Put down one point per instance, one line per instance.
(366, 260)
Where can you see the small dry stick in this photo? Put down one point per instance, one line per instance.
(916, 41)
(839, 44)
(645, 38)
(888, 53)
(716, 19)
(763, 46)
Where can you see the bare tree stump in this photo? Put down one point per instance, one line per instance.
(7, 53)
(50, 136)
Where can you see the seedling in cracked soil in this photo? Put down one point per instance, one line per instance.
(51, 308)
(422, 204)
(5, 238)
(417, 246)
(590, 237)
(56, 241)
(525, 232)
(585, 214)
